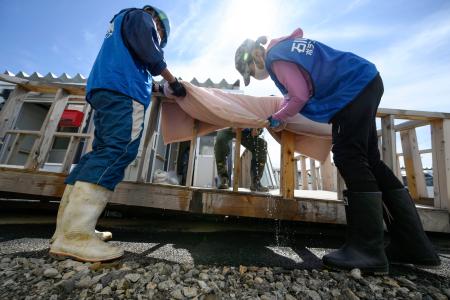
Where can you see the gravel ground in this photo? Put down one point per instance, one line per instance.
(45, 278)
(173, 262)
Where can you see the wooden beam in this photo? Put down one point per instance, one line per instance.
(78, 89)
(312, 171)
(153, 195)
(192, 149)
(408, 125)
(340, 185)
(237, 160)
(244, 179)
(70, 154)
(44, 143)
(388, 142)
(152, 126)
(412, 114)
(204, 201)
(326, 170)
(413, 165)
(11, 110)
(24, 132)
(287, 165)
(440, 141)
(13, 149)
(304, 173)
(422, 151)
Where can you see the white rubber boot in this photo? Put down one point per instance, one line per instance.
(103, 235)
(77, 226)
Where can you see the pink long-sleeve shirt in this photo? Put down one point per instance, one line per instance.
(296, 82)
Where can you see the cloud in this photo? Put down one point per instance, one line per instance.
(349, 32)
(216, 36)
(416, 69)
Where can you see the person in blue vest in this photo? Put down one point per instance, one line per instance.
(119, 89)
(331, 86)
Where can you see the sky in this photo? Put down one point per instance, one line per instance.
(408, 41)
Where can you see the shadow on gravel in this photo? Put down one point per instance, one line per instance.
(231, 248)
(286, 247)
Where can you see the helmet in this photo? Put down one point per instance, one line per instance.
(243, 58)
(164, 21)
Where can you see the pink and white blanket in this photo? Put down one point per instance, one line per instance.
(215, 109)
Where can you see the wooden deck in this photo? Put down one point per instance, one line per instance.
(307, 205)
(288, 203)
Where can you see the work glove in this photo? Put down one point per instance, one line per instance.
(253, 132)
(276, 125)
(178, 89)
(157, 88)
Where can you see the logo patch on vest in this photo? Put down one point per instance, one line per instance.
(110, 30)
(303, 46)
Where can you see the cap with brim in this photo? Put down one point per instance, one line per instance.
(243, 58)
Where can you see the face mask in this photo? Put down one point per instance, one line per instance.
(260, 74)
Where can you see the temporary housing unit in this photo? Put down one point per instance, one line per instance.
(36, 155)
(77, 118)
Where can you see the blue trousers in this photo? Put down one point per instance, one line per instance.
(119, 121)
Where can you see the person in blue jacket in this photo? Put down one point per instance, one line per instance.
(119, 90)
(341, 88)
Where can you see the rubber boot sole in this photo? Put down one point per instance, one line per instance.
(377, 271)
(431, 266)
(63, 256)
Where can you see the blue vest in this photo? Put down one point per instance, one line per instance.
(115, 68)
(337, 77)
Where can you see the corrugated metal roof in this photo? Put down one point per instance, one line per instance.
(79, 78)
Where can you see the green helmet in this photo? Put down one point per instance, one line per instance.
(164, 21)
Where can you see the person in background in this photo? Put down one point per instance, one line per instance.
(254, 143)
(341, 88)
(119, 90)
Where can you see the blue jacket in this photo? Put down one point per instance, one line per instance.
(129, 56)
(337, 77)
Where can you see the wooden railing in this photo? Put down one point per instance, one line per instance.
(326, 177)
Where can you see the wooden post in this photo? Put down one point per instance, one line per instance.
(380, 146)
(244, 178)
(440, 141)
(192, 149)
(296, 179)
(237, 160)
(304, 172)
(13, 149)
(11, 109)
(44, 142)
(399, 169)
(70, 154)
(326, 170)
(144, 163)
(91, 131)
(388, 142)
(312, 171)
(287, 165)
(340, 185)
(413, 164)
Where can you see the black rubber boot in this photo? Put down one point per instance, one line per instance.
(256, 172)
(364, 248)
(409, 243)
(223, 183)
